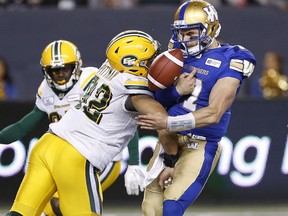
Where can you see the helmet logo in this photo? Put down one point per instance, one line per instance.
(211, 13)
(129, 61)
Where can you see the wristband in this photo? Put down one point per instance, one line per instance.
(170, 160)
(181, 122)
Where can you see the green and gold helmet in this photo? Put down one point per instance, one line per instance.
(132, 52)
(61, 62)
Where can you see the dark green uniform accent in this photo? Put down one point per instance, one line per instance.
(133, 150)
(13, 213)
(24, 126)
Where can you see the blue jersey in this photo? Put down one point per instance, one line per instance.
(212, 65)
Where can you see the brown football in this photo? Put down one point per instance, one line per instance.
(165, 69)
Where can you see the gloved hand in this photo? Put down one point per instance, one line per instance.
(134, 180)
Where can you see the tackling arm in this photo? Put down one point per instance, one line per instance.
(19, 129)
(147, 105)
(134, 178)
(221, 98)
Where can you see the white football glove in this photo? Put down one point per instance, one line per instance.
(134, 180)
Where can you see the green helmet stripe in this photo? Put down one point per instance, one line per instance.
(56, 51)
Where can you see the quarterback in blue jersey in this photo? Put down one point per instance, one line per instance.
(201, 117)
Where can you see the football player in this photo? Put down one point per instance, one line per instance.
(63, 86)
(200, 117)
(85, 140)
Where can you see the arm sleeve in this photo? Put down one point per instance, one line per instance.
(133, 150)
(167, 97)
(19, 129)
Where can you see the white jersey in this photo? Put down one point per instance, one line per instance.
(57, 105)
(100, 127)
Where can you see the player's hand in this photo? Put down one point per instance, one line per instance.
(186, 83)
(134, 180)
(152, 121)
(166, 177)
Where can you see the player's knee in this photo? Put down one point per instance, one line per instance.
(172, 208)
(55, 206)
(13, 213)
(150, 209)
(147, 209)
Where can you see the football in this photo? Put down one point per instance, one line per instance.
(165, 69)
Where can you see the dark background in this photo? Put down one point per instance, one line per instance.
(256, 118)
(24, 34)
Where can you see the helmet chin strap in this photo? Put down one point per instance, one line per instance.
(195, 50)
(218, 31)
(198, 48)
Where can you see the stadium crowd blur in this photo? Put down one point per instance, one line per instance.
(282, 5)
(7, 88)
(271, 83)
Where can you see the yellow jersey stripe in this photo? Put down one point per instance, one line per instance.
(87, 80)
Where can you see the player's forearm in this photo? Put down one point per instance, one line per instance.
(145, 104)
(11, 134)
(219, 103)
(206, 116)
(220, 100)
(158, 120)
(19, 129)
(169, 141)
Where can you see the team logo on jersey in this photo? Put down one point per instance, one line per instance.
(48, 101)
(129, 61)
(213, 62)
(242, 66)
(74, 97)
(192, 145)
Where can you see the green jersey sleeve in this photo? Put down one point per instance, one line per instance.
(19, 129)
(133, 150)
